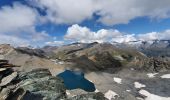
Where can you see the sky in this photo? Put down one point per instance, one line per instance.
(58, 22)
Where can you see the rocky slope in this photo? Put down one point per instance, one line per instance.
(28, 58)
(119, 73)
(37, 84)
(96, 56)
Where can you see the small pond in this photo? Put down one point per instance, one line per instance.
(75, 80)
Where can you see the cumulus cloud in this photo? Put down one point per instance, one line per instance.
(84, 34)
(111, 12)
(67, 11)
(19, 22)
(148, 36)
(76, 33)
(165, 35)
(16, 17)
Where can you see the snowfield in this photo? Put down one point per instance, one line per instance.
(150, 96)
(165, 76)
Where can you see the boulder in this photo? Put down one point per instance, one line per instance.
(4, 93)
(2, 69)
(6, 80)
(40, 83)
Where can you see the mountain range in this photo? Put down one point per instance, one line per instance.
(113, 68)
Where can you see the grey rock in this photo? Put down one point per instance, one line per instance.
(4, 93)
(8, 79)
(41, 83)
(2, 69)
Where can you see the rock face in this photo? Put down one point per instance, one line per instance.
(41, 82)
(7, 77)
(35, 52)
(37, 84)
(152, 65)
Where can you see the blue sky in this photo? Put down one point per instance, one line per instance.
(57, 22)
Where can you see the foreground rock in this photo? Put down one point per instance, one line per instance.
(37, 84)
(41, 83)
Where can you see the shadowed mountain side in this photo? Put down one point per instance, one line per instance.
(28, 61)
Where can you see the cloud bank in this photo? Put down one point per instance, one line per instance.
(83, 34)
(18, 25)
(110, 12)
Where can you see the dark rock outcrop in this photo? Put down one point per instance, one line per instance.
(32, 52)
(152, 65)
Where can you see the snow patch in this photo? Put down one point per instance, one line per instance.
(128, 90)
(68, 93)
(96, 90)
(139, 85)
(139, 98)
(90, 80)
(132, 69)
(117, 80)
(165, 76)
(150, 96)
(111, 95)
(152, 75)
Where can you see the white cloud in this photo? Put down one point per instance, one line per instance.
(55, 43)
(76, 33)
(16, 17)
(111, 12)
(165, 35)
(116, 11)
(19, 22)
(124, 38)
(67, 11)
(148, 36)
(15, 41)
(84, 34)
